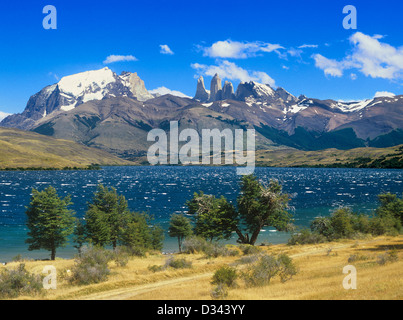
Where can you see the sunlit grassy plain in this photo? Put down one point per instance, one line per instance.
(320, 275)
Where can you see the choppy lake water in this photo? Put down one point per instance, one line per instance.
(162, 191)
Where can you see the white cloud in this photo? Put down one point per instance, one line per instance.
(376, 59)
(369, 56)
(239, 50)
(163, 90)
(229, 70)
(308, 46)
(4, 115)
(384, 94)
(353, 76)
(117, 58)
(165, 49)
(329, 66)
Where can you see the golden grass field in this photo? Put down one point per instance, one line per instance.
(24, 149)
(320, 276)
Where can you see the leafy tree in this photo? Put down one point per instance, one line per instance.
(80, 235)
(260, 206)
(138, 232)
(391, 205)
(215, 217)
(179, 227)
(105, 217)
(50, 222)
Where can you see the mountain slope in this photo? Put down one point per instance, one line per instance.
(121, 125)
(21, 149)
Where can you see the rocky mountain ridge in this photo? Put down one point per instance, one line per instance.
(115, 113)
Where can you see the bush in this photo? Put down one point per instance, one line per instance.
(91, 265)
(248, 259)
(219, 292)
(178, 263)
(287, 267)
(248, 249)
(19, 281)
(193, 245)
(355, 257)
(306, 237)
(384, 225)
(225, 276)
(390, 256)
(267, 267)
(155, 268)
(121, 256)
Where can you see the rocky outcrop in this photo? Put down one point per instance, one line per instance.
(201, 93)
(228, 91)
(285, 95)
(136, 86)
(215, 88)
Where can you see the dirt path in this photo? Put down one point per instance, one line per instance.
(130, 292)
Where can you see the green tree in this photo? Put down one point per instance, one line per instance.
(179, 227)
(261, 206)
(391, 205)
(105, 217)
(50, 222)
(138, 232)
(80, 235)
(258, 206)
(215, 218)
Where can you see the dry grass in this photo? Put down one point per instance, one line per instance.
(292, 157)
(320, 276)
(23, 149)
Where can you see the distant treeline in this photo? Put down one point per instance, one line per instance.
(89, 167)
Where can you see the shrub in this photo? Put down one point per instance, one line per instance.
(248, 249)
(355, 257)
(267, 267)
(390, 256)
(214, 250)
(91, 265)
(193, 245)
(178, 263)
(384, 225)
(248, 259)
(287, 267)
(260, 273)
(155, 268)
(225, 276)
(219, 292)
(121, 256)
(306, 237)
(16, 282)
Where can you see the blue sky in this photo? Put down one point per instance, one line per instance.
(301, 46)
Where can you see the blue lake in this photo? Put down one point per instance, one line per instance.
(162, 191)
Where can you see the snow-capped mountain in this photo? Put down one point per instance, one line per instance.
(74, 90)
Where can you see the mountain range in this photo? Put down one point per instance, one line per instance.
(115, 113)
